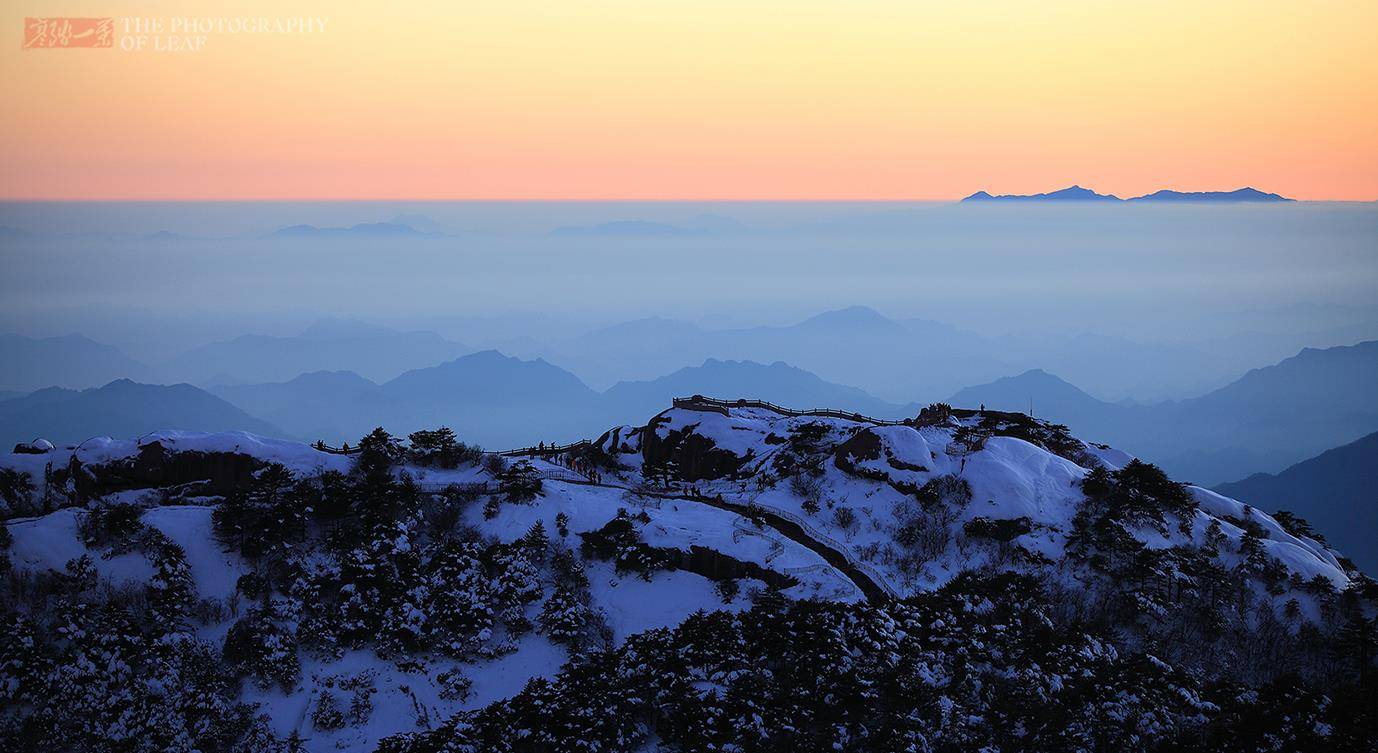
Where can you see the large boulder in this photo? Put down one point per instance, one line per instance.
(155, 466)
(36, 447)
(695, 455)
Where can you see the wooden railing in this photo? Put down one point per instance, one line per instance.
(812, 532)
(536, 451)
(323, 447)
(546, 451)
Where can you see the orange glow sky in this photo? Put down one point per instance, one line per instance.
(702, 99)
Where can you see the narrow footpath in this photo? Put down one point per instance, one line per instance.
(790, 529)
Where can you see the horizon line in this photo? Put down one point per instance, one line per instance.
(572, 200)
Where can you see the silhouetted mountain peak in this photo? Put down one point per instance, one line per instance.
(51, 393)
(1078, 193)
(1039, 376)
(489, 356)
(851, 318)
(1071, 193)
(334, 378)
(1013, 392)
(729, 363)
(121, 407)
(1333, 491)
(491, 369)
(1240, 195)
(377, 353)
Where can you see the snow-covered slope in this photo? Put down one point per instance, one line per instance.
(696, 510)
(754, 455)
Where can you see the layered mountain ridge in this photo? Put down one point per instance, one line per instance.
(1166, 195)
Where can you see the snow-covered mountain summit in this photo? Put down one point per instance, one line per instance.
(923, 500)
(401, 591)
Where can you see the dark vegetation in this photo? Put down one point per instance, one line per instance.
(986, 663)
(1172, 649)
(356, 561)
(619, 541)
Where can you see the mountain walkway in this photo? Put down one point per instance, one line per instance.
(874, 587)
(871, 584)
(789, 525)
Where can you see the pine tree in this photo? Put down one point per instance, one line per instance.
(171, 591)
(16, 488)
(1215, 538)
(262, 518)
(20, 659)
(436, 447)
(327, 716)
(517, 585)
(462, 601)
(1357, 644)
(1251, 548)
(256, 646)
(520, 483)
(379, 451)
(563, 617)
(536, 542)
(491, 507)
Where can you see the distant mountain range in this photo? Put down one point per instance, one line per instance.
(1221, 197)
(492, 399)
(854, 345)
(778, 382)
(488, 398)
(897, 359)
(332, 345)
(1336, 491)
(340, 378)
(893, 359)
(72, 361)
(335, 406)
(77, 362)
(120, 409)
(1266, 420)
(1077, 193)
(1072, 193)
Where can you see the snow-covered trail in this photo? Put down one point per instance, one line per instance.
(789, 529)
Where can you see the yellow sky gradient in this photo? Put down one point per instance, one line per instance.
(671, 99)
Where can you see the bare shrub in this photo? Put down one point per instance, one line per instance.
(924, 532)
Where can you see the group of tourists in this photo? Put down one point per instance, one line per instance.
(580, 466)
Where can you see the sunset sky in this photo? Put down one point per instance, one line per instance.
(701, 99)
